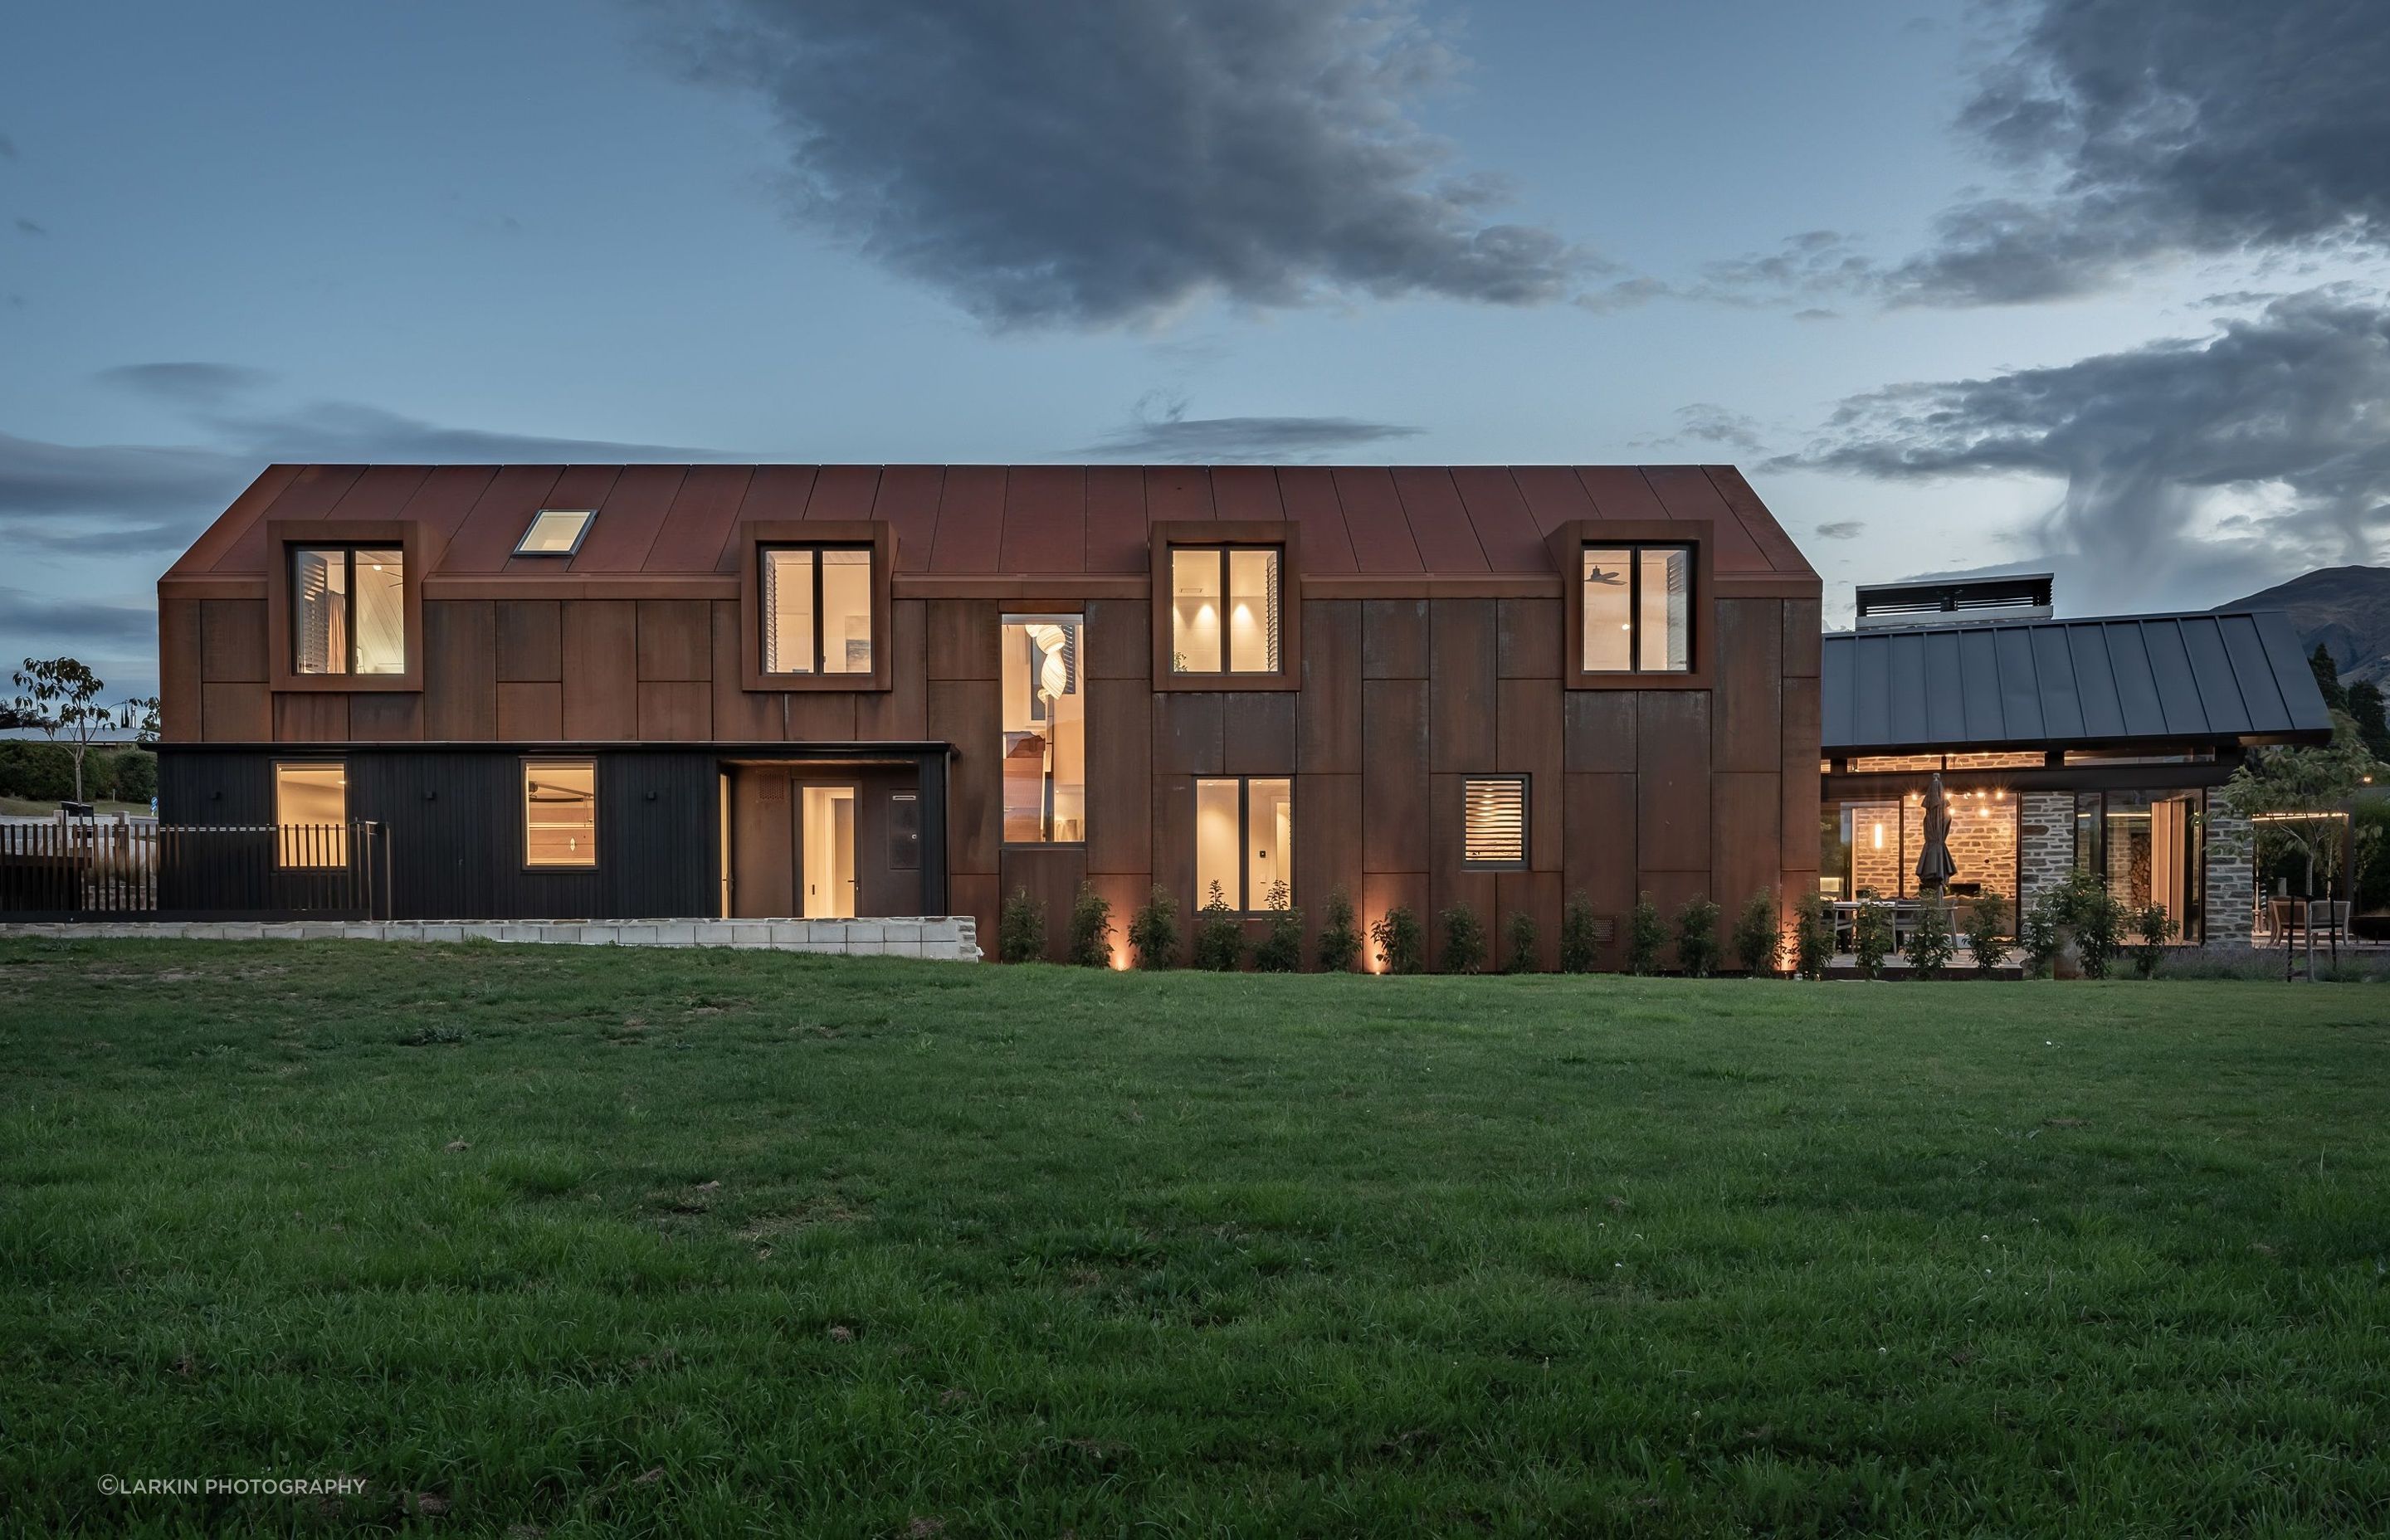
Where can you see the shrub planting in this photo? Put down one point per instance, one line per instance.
(1402, 944)
(1091, 929)
(1813, 939)
(1987, 924)
(1464, 940)
(1219, 935)
(1870, 935)
(1280, 951)
(1580, 936)
(1021, 929)
(1646, 933)
(1340, 935)
(1153, 931)
(1932, 944)
(2156, 927)
(1756, 942)
(1525, 946)
(1697, 942)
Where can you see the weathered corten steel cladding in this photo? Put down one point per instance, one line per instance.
(1432, 648)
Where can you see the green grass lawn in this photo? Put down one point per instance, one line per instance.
(616, 1241)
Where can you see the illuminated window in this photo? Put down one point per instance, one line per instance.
(1227, 608)
(1045, 729)
(816, 609)
(311, 814)
(348, 610)
(1638, 609)
(554, 531)
(1244, 843)
(1493, 821)
(559, 813)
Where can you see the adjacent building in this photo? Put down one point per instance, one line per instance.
(853, 690)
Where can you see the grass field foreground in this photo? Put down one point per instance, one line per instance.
(702, 1243)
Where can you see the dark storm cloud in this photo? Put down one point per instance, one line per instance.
(2290, 407)
(1706, 422)
(1842, 529)
(1051, 164)
(1163, 431)
(27, 227)
(74, 626)
(2166, 128)
(185, 384)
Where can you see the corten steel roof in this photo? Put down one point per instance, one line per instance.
(675, 520)
(2218, 679)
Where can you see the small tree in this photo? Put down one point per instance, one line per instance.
(1756, 942)
(1987, 922)
(1464, 940)
(1870, 935)
(2043, 934)
(2154, 927)
(1580, 935)
(2302, 794)
(2096, 919)
(1280, 951)
(1697, 942)
(1646, 933)
(1525, 951)
(1402, 945)
(1340, 937)
(1153, 931)
(1931, 945)
(1219, 935)
(1813, 939)
(60, 698)
(1021, 930)
(1091, 929)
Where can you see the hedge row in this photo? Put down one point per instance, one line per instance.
(43, 772)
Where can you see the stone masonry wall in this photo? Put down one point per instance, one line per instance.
(2044, 843)
(2232, 898)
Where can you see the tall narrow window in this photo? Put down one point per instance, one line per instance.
(816, 609)
(1244, 842)
(559, 813)
(1044, 730)
(348, 610)
(1227, 608)
(1638, 609)
(311, 814)
(1493, 821)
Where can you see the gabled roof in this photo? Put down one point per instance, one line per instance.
(674, 520)
(2217, 678)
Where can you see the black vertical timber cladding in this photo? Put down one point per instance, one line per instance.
(455, 845)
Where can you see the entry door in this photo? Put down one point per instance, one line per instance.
(828, 846)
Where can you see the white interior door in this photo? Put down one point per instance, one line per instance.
(829, 837)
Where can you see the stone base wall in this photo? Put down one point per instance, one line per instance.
(946, 938)
(2045, 844)
(2231, 888)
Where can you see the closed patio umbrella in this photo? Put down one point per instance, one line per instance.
(1934, 868)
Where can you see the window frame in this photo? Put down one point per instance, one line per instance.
(526, 764)
(1568, 545)
(1241, 899)
(418, 550)
(588, 522)
(1525, 783)
(757, 535)
(274, 815)
(1168, 535)
(1006, 616)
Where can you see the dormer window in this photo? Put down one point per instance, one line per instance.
(818, 604)
(1638, 609)
(1227, 610)
(556, 532)
(348, 610)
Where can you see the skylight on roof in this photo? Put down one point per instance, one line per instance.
(554, 531)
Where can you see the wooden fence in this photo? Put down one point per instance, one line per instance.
(91, 868)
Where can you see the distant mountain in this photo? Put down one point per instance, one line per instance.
(2346, 608)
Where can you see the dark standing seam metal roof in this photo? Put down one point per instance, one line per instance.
(2051, 684)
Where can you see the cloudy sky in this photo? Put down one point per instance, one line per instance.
(2094, 284)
